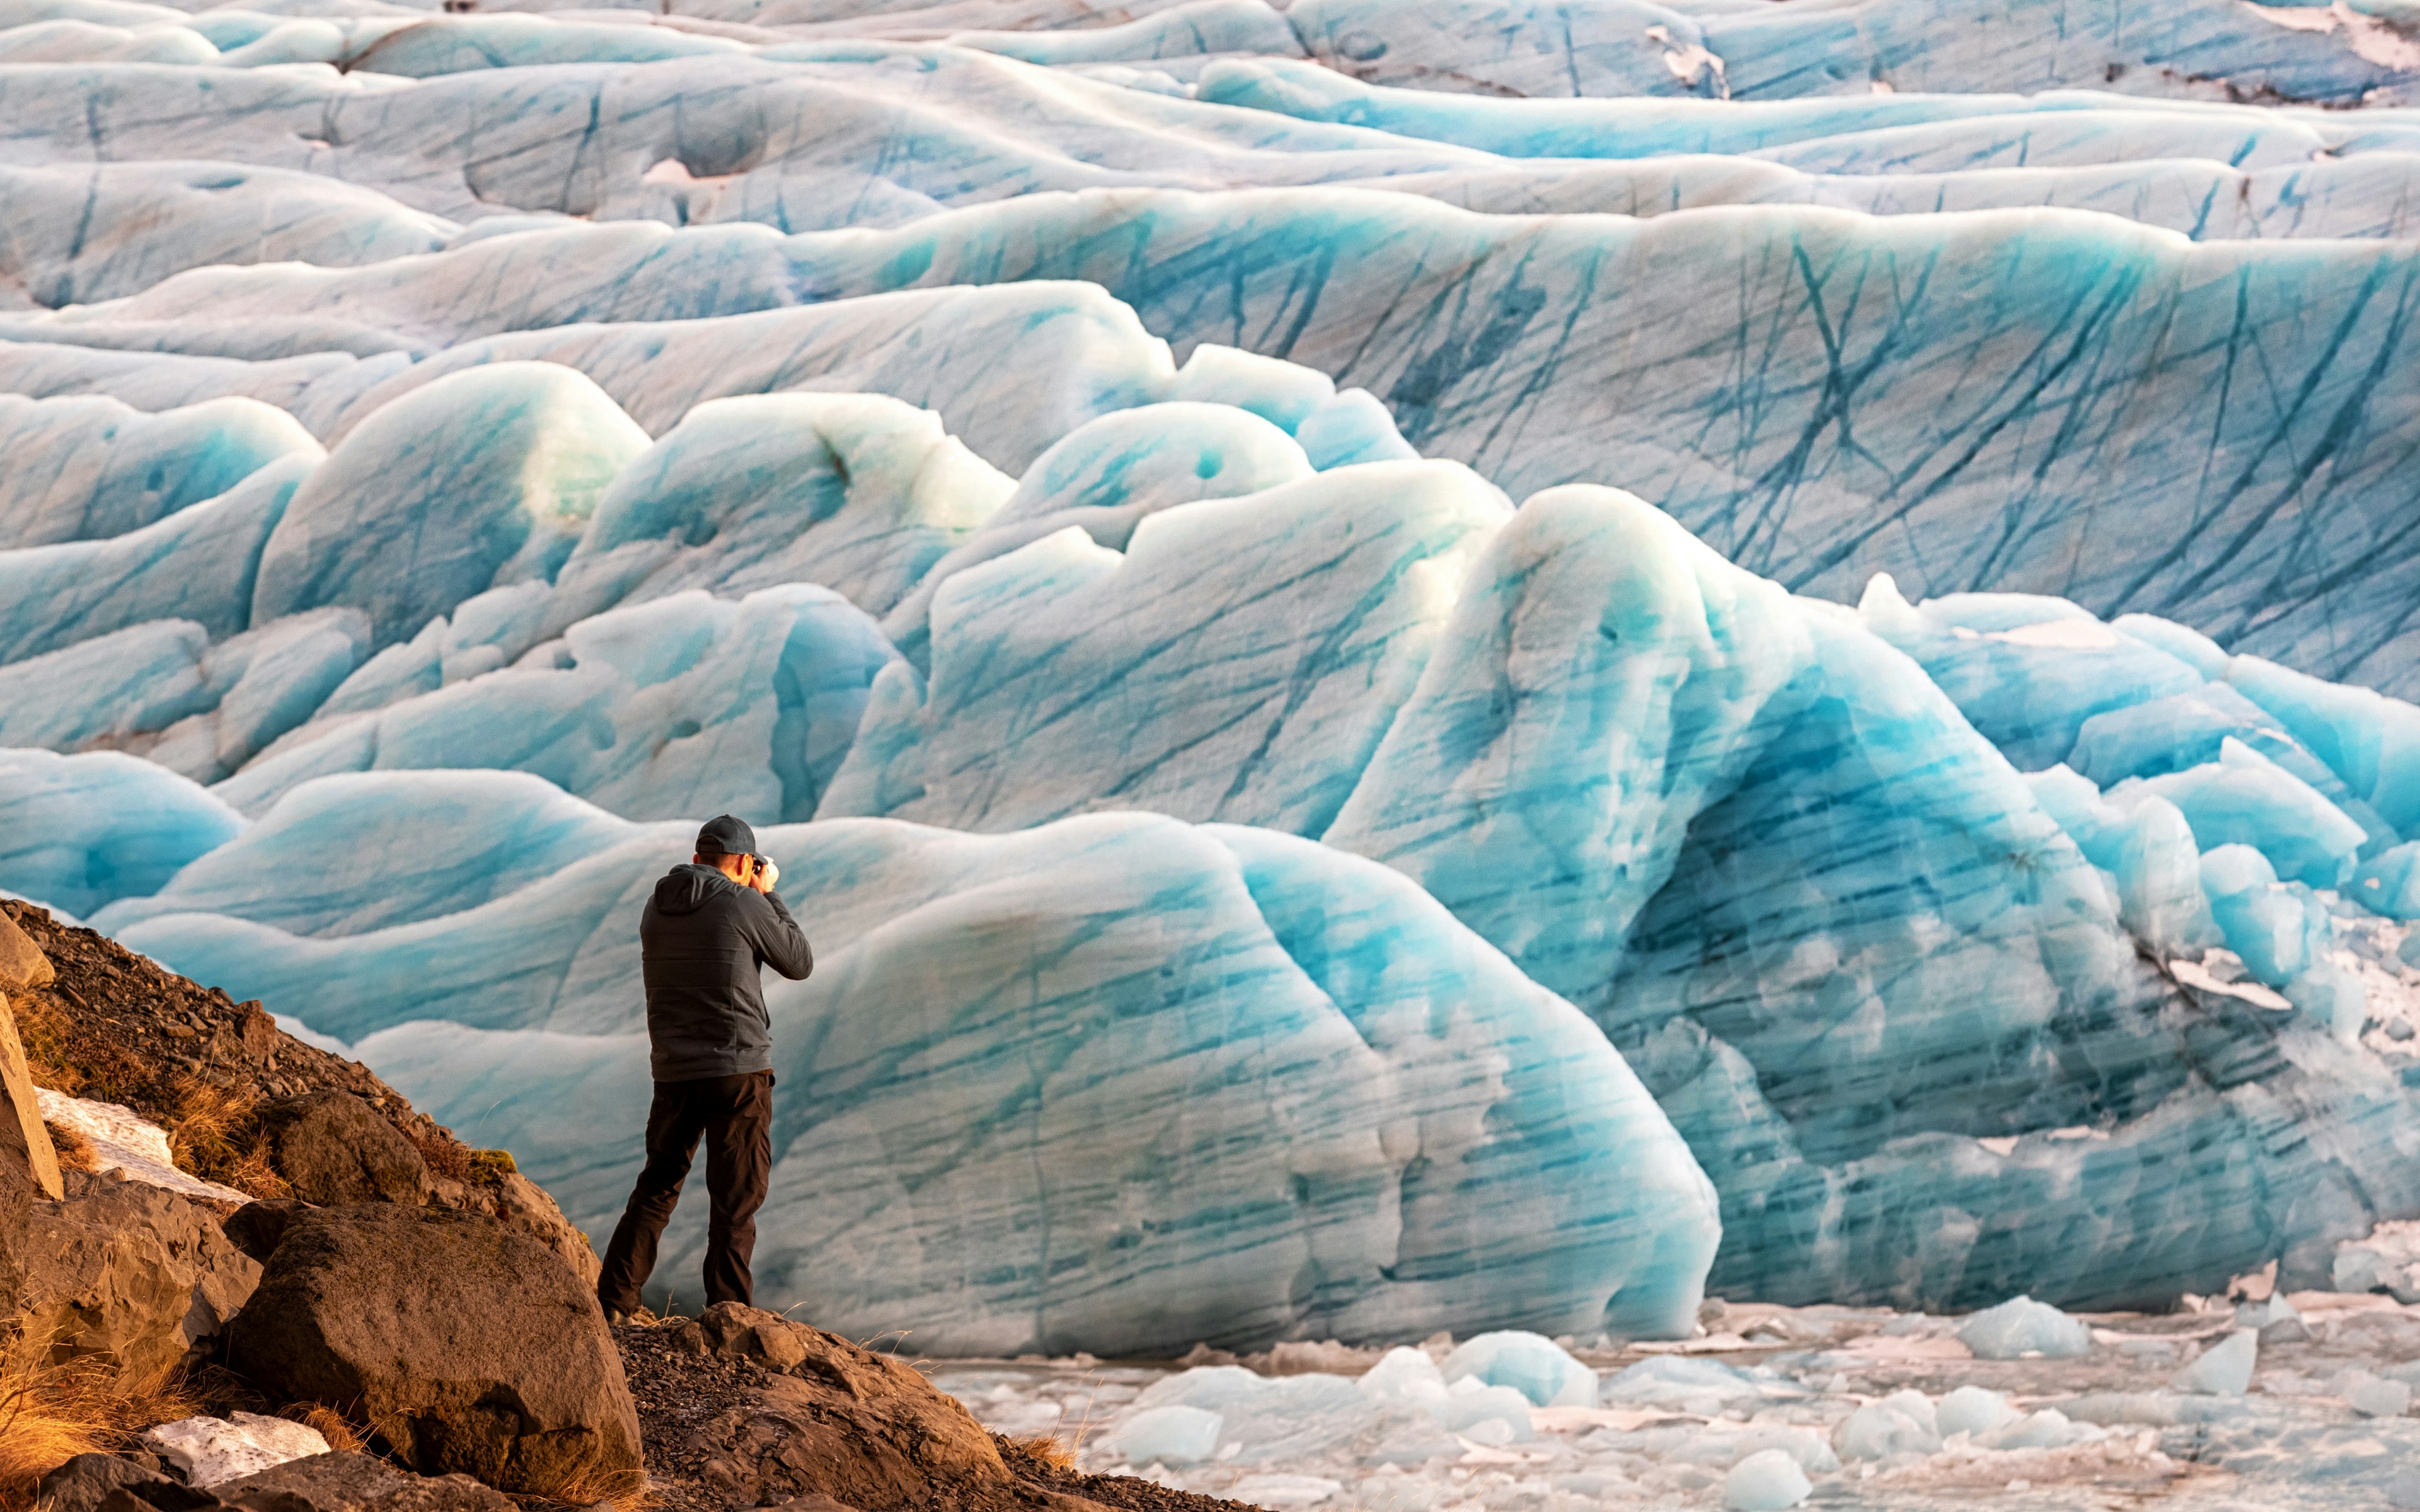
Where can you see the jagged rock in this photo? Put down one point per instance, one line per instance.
(843, 1423)
(158, 1496)
(27, 1158)
(334, 1482)
(470, 1344)
(334, 1149)
(131, 1272)
(257, 1227)
(357, 1483)
(16, 1206)
(161, 1029)
(83, 1483)
(23, 964)
(522, 1203)
(750, 1333)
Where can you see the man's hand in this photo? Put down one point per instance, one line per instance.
(767, 874)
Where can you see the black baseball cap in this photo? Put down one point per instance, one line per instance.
(726, 835)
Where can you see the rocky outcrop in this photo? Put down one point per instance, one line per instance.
(113, 1024)
(334, 1149)
(129, 1272)
(85, 1481)
(464, 1343)
(257, 1227)
(27, 1158)
(775, 1414)
(337, 1482)
(23, 964)
(836, 1420)
(357, 1483)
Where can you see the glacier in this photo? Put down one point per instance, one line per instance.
(1029, 1088)
(1420, 666)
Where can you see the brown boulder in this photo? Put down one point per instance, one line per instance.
(845, 1423)
(356, 1483)
(83, 1483)
(338, 1482)
(525, 1204)
(131, 1272)
(23, 964)
(256, 1227)
(334, 1149)
(27, 1158)
(466, 1344)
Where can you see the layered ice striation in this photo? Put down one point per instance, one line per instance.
(1970, 403)
(1259, 1089)
(1282, 582)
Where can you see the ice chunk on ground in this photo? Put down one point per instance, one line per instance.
(2049, 1428)
(1483, 1413)
(1408, 1375)
(1678, 1379)
(1972, 1410)
(2022, 1326)
(1284, 1492)
(1171, 1435)
(1537, 1368)
(1883, 1429)
(1768, 1480)
(1104, 477)
(2224, 1369)
(2373, 1397)
(208, 1450)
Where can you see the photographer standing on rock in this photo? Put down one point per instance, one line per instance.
(706, 932)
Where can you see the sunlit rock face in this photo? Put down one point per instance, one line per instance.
(1416, 667)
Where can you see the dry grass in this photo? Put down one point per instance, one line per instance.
(627, 1490)
(51, 1411)
(343, 1434)
(74, 1150)
(453, 1161)
(216, 1135)
(1046, 1448)
(213, 1132)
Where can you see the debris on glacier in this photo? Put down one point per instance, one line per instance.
(2021, 1326)
(1769, 1480)
(1538, 1368)
(2320, 1422)
(2224, 1369)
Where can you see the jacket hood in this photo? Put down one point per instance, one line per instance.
(686, 887)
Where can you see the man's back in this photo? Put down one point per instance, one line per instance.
(700, 938)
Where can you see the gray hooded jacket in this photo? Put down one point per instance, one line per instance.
(702, 939)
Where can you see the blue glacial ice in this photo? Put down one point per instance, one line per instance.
(1289, 610)
(85, 831)
(1493, 1156)
(1921, 402)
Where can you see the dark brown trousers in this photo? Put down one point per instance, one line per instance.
(735, 1116)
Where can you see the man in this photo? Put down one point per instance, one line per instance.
(704, 935)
